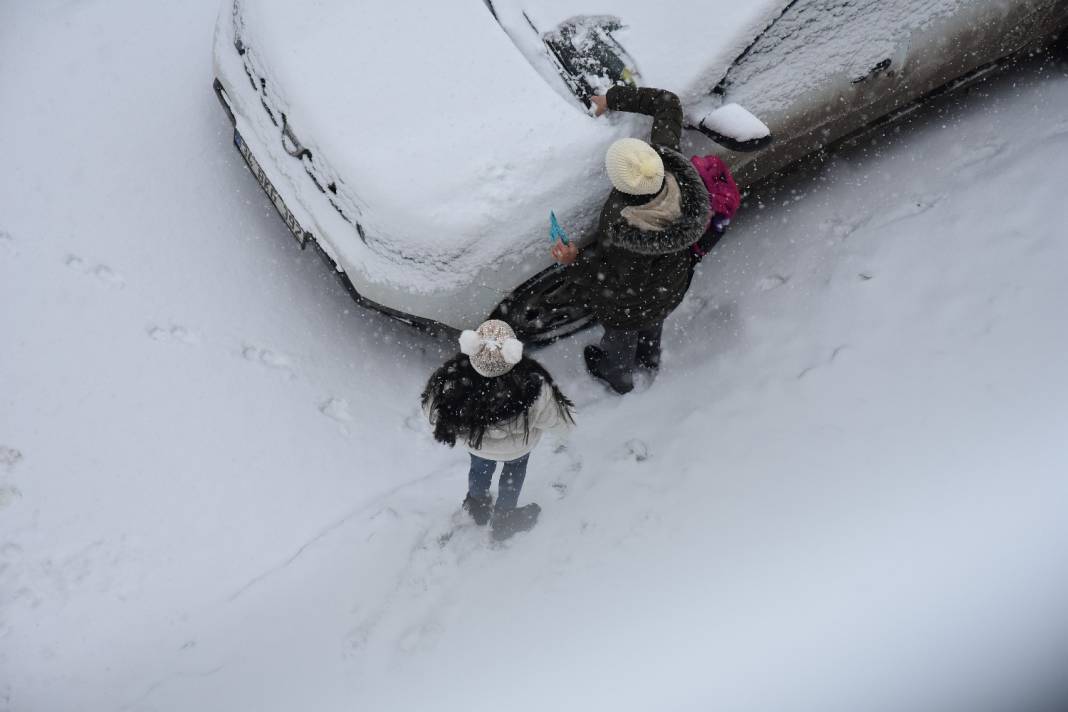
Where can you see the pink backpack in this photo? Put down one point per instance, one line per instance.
(723, 193)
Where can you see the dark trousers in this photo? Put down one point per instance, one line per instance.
(625, 349)
(480, 478)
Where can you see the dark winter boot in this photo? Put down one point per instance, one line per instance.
(507, 522)
(647, 355)
(648, 358)
(479, 508)
(595, 364)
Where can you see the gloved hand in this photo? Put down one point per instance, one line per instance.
(712, 235)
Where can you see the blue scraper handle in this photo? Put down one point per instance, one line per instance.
(555, 231)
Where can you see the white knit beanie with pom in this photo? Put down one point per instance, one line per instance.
(493, 348)
(634, 167)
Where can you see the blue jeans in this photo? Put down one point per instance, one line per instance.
(481, 477)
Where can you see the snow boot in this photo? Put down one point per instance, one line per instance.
(507, 522)
(648, 358)
(595, 363)
(647, 354)
(479, 508)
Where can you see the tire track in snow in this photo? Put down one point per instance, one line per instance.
(376, 503)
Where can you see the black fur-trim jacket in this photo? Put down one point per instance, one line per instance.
(633, 277)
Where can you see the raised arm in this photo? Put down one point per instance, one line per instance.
(661, 104)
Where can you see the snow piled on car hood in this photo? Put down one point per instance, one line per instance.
(444, 134)
(441, 131)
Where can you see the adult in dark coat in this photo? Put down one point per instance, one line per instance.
(640, 266)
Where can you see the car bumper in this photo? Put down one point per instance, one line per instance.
(302, 236)
(316, 220)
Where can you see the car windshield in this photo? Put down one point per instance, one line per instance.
(588, 57)
(582, 50)
(685, 46)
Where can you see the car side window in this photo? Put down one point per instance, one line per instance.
(858, 39)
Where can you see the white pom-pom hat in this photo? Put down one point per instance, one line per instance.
(493, 348)
(634, 167)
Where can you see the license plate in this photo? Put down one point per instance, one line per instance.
(265, 183)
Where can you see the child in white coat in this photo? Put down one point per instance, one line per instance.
(497, 402)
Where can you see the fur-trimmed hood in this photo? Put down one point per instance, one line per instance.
(683, 231)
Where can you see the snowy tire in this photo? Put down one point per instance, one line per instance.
(545, 308)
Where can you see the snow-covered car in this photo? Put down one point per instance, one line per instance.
(421, 146)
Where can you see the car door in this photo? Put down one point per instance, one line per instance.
(827, 68)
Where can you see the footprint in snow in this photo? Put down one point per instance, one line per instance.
(574, 463)
(838, 227)
(415, 422)
(358, 637)
(108, 276)
(714, 314)
(419, 637)
(174, 332)
(772, 281)
(7, 244)
(8, 494)
(103, 274)
(633, 449)
(337, 409)
(269, 359)
(9, 457)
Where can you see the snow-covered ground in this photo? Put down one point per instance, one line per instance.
(847, 490)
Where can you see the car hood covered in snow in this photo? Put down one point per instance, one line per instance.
(446, 136)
